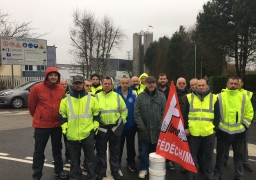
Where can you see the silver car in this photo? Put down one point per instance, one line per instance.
(17, 97)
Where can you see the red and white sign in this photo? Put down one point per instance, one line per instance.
(12, 44)
(5, 43)
(18, 45)
(172, 142)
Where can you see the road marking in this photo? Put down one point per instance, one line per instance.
(13, 113)
(66, 167)
(29, 158)
(30, 162)
(5, 112)
(251, 151)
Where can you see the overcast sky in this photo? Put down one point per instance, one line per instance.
(132, 16)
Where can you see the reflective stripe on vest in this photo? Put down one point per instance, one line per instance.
(221, 112)
(118, 124)
(102, 130)
(232, 132)
(86, 111)
(118, 110)
(197, 118)
(192, 109)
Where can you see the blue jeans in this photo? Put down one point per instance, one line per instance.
(145, 150)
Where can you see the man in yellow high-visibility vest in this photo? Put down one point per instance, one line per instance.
(200, 119)
(246, 164)
(79, 116)
(236, 114)
(112, 119)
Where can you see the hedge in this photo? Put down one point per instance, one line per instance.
(217, 83)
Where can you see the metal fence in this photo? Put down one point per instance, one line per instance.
(6, 81)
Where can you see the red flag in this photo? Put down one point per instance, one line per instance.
(172, 142)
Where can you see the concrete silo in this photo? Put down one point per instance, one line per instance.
(141, 42)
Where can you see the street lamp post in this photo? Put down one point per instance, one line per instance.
(195, 55)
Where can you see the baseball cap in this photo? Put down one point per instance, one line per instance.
(78, 79)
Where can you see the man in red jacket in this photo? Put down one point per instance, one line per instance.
(43, 104)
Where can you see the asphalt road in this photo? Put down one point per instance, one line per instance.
(17, 143)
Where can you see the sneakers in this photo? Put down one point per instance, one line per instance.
(142, 174)
(116, 176)
(120, 172)
(84, 167)
(170, 165)
(248, 167)
(100, 176)
(131, 167)
(62, 175)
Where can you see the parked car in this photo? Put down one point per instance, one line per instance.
(18, 96)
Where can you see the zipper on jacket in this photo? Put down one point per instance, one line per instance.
(52, 107)
(78, 117)
(236, 117)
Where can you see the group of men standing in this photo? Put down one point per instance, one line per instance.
(226, 116)
(94, 111)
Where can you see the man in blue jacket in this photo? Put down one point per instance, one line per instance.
(130, 127)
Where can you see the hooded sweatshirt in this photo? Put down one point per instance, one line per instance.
(142, 86)
(44, 102)
(129, 102)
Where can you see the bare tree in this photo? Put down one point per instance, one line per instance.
(16, 29)
(93, 41)
(82, 36)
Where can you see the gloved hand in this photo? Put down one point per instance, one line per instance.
(96, 125)
(64, 128)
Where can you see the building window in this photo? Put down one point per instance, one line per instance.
(28, 68)
(42, 68)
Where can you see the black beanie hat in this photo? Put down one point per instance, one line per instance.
(93, 75)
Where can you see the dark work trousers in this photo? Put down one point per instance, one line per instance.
(246, 158)
(129, 136)
(207, 144)
(66, 149)
(238, 149)
(74, 148)
(114, 150)
(200, 157)
(41, 136)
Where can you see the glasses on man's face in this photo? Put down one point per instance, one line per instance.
(181, 83)
(87, 85)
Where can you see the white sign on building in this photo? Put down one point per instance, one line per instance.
(23, 51)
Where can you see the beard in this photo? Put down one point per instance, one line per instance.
(162, 85)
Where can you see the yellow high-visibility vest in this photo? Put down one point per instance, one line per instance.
(79, 113)
(236, 111)
(201, 114)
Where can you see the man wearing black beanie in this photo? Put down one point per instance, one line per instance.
(96, 86)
